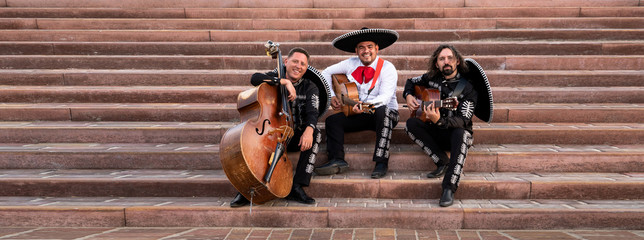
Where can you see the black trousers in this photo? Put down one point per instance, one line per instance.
(382, 122)
(435, 141)
(306, 162)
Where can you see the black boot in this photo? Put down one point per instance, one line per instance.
(440, 170)
(332, 167)
(239, 201)
(297, 194)
(380, 170)
(447, 199)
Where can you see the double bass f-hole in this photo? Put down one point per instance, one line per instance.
(263, 127)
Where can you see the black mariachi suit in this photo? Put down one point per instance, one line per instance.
(452, 132)
(305, 110)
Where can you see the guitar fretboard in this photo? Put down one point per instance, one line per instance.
(437, 103)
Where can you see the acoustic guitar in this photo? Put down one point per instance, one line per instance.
(347, 93)
(426, 96)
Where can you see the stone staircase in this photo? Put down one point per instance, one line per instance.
(111, 113)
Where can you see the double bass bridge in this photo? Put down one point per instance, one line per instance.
(282, 133)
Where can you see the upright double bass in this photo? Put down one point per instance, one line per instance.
(252, 153)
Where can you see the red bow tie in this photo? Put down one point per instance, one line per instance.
(362, 71)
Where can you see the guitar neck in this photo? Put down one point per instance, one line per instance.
(348, 101)
(437, 103)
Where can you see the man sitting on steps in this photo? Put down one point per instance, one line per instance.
(440, 129)
(306, 100)
(376, 80)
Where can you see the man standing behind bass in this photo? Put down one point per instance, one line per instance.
(441, 129)
(376, 82)
(307, 92)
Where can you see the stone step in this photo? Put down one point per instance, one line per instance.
(316, 4)
(207, 112)
(167, 215)
(404, 157)
(211, 132)
(116, 94)
(259, 61)
(229, 94)
(316, 24)
(519, 11)
(566, 95)
(316, 35)
(353, 184)
(510, 3)
(319, 13)
(319, 48)
(329, 216)
(169, 77)
(107, 132)
(297, 232)
(183, 112)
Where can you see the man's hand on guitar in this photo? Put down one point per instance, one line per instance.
(358, 108)
(412, 103)
(431, 113)
(335, 103)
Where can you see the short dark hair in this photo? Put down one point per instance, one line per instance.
(300, 50)
(434, 71)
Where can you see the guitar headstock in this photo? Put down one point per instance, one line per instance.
(367, 108)
(450, 103)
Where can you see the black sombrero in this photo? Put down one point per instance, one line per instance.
(348, 41)
(323, 87)
(485, 103)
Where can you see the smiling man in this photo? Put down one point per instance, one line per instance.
(307, 94)
(376, 81)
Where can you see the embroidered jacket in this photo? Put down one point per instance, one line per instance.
(459, 118)
(305, 108)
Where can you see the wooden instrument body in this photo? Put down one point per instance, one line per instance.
(245, 150)
(347, 93)
(427, 96)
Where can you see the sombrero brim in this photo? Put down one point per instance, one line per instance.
(485, 103)
(325, 91)
(383, 37)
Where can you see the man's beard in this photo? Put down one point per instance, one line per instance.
(447, 72)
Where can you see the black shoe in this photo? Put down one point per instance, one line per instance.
(380, 170)
(438, 172)
(332, 167)
(297, 194)
(239, 201)
(447, 199)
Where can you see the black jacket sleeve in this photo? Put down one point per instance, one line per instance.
(259, 78)
(410, 83)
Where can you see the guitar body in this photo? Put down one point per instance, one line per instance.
(348, 94)
(343, 88)
(427, 96)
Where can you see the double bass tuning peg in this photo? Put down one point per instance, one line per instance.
(272, 48)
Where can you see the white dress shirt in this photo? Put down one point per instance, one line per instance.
(384, 91)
